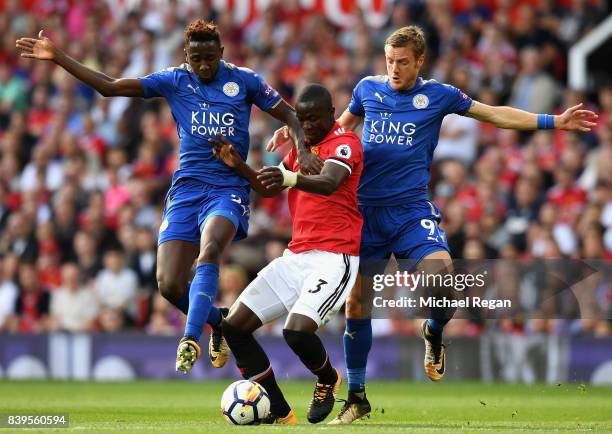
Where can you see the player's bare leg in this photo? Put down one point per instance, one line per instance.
(434, 362)
(174, 262)
(358, 332)
(253, 362)
(299, 332)
(216, 236)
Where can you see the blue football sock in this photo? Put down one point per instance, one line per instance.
(201, 296)
(357, 344)
(214, 317)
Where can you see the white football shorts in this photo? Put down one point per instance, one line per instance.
(313, 283)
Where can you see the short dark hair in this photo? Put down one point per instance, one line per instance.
(315, 93)
(202, 31)
(409, 36)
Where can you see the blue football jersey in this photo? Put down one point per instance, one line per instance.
(201, 111)
(400, 133)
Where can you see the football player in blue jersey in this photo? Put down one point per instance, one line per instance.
(207, 205)
(401, 114)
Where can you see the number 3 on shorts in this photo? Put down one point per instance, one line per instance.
(321, 283)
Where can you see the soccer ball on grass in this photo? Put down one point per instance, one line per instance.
(245, 402)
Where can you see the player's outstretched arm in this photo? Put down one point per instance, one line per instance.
(328, 181)
(225, 151)
(309, 163)
(572, 119)
(42, 48)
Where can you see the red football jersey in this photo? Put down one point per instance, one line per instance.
(329, 223)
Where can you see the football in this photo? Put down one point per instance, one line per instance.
(245, 402)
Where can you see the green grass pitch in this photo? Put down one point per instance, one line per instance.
(183, 406)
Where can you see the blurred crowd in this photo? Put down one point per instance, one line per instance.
(83, 178)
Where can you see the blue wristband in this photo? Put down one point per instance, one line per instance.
(546, 122)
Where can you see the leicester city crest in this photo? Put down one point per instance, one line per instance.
(420, 101)
(231, 88)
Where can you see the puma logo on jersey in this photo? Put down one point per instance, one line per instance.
(193, 88)
(379, 96)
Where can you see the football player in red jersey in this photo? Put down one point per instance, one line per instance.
(312, 279)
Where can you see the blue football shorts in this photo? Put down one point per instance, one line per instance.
(190, 203)
(408, 231)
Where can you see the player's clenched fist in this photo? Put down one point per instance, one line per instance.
(41, 48)
(310, 164)
(271, 177)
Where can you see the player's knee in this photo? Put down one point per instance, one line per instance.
(232, 331)
(170, 288)
(210, 252)
(353, 307)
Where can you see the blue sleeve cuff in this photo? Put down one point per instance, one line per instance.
(274, 104)
(355, 111)
(144, 81)
(467, 108)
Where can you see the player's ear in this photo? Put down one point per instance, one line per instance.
(221, 48)
(421, 60)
